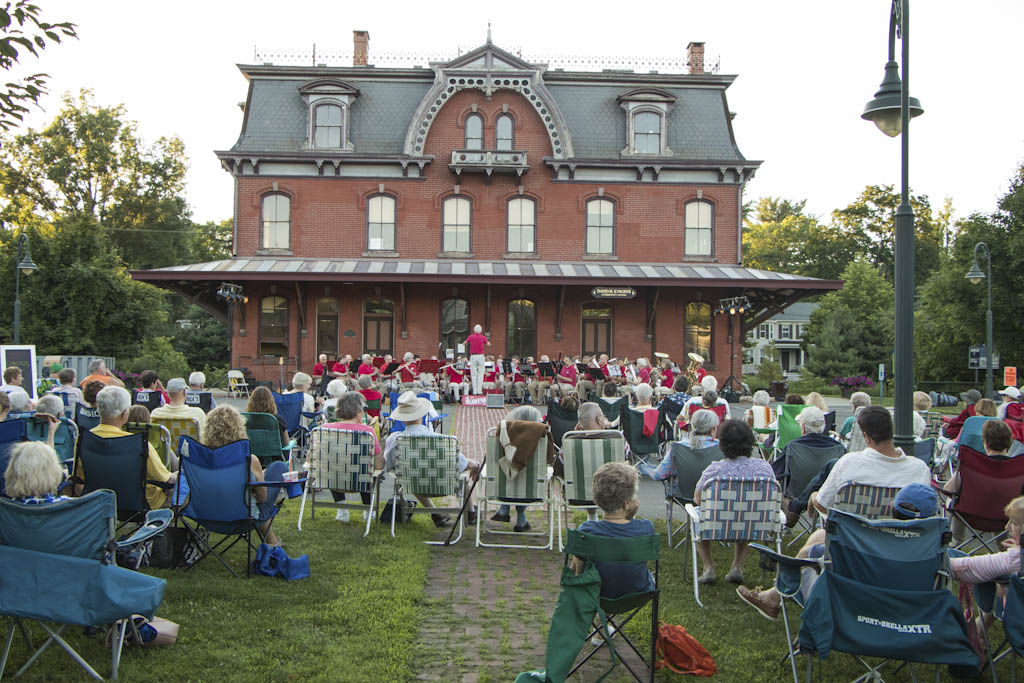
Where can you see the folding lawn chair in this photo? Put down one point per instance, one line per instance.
(924, 450)
(428, 466)
(885, 593)
(178, 427)
(11, 432)
(264, 432)
(668, 416)
(580, 595)
(85, 417)
(64, 439)
(289, 407)
(986, 486)
(69, 403)
(970, 434)
(342, 460)
(935, 424)
(640, 447)
(220, 493)
(159, 438)
(803, 463)
(145, 397)
(530, 487)
(118, 464)
(583, 452)
(613, 409)
(58, 568)
(237, 384)
(199, 399)
(687, 466)
(735, 509)
(865, 500)
(788, 427)
(561, 421)
(1012, 617)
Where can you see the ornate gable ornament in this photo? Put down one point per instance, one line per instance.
(489, 68)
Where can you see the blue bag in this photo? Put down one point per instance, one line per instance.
(274, 561)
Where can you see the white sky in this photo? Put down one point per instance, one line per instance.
(805, 69)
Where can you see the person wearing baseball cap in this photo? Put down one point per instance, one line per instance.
(176, 406)
(1011, 397)
(915, 501)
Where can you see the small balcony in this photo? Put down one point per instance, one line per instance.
(489, 161)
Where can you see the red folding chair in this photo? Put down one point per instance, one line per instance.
(986, 486)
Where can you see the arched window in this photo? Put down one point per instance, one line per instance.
(697, 329)
(504, 132)
(274, 326)
(380, 223)
(456, 222)
(327, 122)
(522, 328)
(378, 326)
(454, 323)
(327, 326)
(647, 133)
(597, 329)
(522, 225)
(600, 226)
(699, 223)
(474, 131)
(276, 210)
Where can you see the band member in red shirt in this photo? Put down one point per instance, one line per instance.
(476, 343)
(407, 371)
(515, 383)
(457, 382)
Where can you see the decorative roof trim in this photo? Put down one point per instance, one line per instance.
(647, 95)
(328, 86)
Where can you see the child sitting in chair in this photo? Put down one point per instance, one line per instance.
(616, 486)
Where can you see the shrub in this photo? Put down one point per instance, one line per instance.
(159, 356)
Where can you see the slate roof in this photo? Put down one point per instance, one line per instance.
(514, 272)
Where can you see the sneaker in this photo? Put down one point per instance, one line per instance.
(598, 639)
(341, 516)
(765, 608)
(441, 521)
(521, 528)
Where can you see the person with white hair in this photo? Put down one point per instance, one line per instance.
(369, 393)
(335, 389)
(407, 371)
(197, 382)
(858, 400)
(644, 396)
(33, 474)
(20, 402)
(113, 404)
(703, 428)
(708, 383)
(475, 344)
(812, 435)
(760, 414)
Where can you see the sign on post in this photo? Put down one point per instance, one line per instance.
(25, 358)
(1010, 376)
(977, 359)
(881, 372)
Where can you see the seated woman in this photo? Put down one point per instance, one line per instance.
(997, 439)
(761, 401)
(701, 435)
(370, 394)
(528, 414)
(139, 414)
(224, 425)
(262, 401)
(858, 400)
(736, 439)
(817, 400)
(616, 488)
(335, 389)
(301, 383)
(33, 474)
(348, 416)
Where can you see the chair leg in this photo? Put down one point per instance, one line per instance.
(654, 636)
(693, 552)
(7, 644)
(54, 637)
(394, 510)
(302, 506)
(116, 646)
(789, 644)
(369, 513)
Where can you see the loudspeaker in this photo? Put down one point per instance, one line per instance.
(495, 400)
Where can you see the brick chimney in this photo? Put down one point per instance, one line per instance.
(695, 58)
(361, 48)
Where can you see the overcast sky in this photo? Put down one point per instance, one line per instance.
(805, 70)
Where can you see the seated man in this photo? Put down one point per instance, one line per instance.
(812, 426)
(322, 366)
(197, 382)
(98, 372)
(515, 383)
(113, 404)
(591, 418)
(914, 501)
(150, 382)
(66, 377)
(410, 411)
(539, 385)
(176, 407)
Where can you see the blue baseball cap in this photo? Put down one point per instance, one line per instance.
(924, 500)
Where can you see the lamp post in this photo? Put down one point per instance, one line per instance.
(975, 275)
(891, 110)
(25, 265)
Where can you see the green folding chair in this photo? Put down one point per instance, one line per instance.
(159, 438)
(789, 428)
(265, 439)
(341, 460)
(530, 487)
(428, 466)
(641, 447)
(613, 409)
(583, 452)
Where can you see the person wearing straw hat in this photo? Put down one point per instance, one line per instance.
(410, 410)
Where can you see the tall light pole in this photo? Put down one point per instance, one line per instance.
(891, 110)
(976, 276)
(25, 265)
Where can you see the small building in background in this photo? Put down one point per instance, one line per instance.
(786, 329)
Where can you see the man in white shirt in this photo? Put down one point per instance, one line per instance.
(177, 408)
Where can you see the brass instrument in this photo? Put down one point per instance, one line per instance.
(696, 360)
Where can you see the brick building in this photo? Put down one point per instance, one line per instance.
(391, 209)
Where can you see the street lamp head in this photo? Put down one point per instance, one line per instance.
(884, 110)
(975, 275)
(26, 265)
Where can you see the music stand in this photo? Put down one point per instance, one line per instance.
(595, 374)
(545, 369)
(429, 366)
(390, 369)
(506, 367)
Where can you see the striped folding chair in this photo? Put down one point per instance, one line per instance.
(583, 453)
(428, 466)
(341, 460)
(866, 500)
(736, 509)
(530, 487)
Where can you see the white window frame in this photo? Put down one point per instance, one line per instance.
(587, 227)
(520, 226)
(654, 101)
(448, 242)
(698, 229)
(328, 91)
(267, 226)
(384, 200)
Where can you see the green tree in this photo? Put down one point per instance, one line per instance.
(851, 332)
(796, 244)
(770, 370)
(213, 241)
(22, 30)
(204, 341)
(159, 355)
(90, 160)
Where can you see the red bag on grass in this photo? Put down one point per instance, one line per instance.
(680, 652)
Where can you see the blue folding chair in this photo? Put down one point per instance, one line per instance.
(85, 417)
(69, 403)
(970, 434)
(923, 451)
(152, 399)
(289, 407)
(11, 433)
(119, 465)
(58, 568)
(220, 497)
(64, 439)
(884, 593)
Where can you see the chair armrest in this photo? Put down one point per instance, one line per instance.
(693, 512)
(785, 559)
(156, 521)
(165, 485)
(301, 480)
(290, 445)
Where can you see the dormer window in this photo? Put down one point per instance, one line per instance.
(328, 102)
(647, 112)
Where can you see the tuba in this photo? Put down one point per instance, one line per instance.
(696, 360)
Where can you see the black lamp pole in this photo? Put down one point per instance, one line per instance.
(976, 276)
(24, 264)
(891, 111)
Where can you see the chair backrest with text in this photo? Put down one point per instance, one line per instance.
(146, 397)
(199, 399)
(85, 417)
(341, 459)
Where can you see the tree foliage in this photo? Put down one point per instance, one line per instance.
(204, 341)
(851, 332)
(213, 241)
(162, 358)
(22, 30)
(782, 238)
